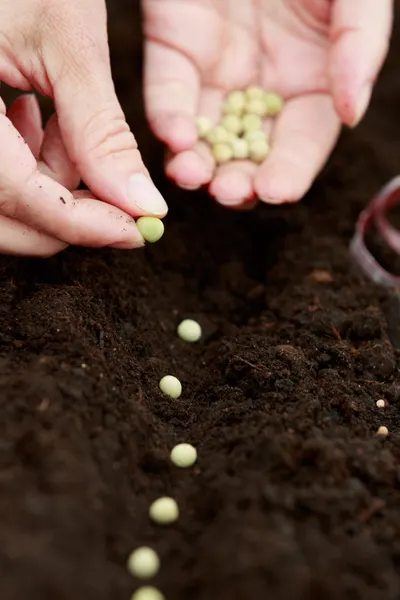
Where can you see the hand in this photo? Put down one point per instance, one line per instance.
(322, 56)
(60, 49)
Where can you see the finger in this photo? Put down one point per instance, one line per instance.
(32, 197)
(54, 159)
(21, 240)
(192, 169)
(304, 136)
(360, 34)
(25, 115)
(171, 93)
(92, 124)
(233, 183)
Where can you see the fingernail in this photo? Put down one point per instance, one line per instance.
(362, 105)
(143, 192)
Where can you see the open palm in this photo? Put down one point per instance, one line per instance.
(322, 56)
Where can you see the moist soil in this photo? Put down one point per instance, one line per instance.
(293, 495)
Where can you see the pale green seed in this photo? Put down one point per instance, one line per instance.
(257, 107)
(232, 123)
(164, 511)
(222, 153)
(189, 330)
(143, 563)
(251, 122)
(183, 455)
(171, 386)
(234, 103)
(240, 148)
(218, 135)
(383, 430)
(151, 228)
(148, 592)
(255, 135)
(274, 103)
(204, 126)
(255, 92)
(258, 151)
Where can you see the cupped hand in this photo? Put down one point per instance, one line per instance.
(60, 49)
(323, 56)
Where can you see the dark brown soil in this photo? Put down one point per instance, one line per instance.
(294, 496)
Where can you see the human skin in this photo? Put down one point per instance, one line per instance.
(323, 56)
(61, 50)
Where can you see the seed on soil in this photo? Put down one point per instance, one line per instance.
(183, 455)
(171, 386)
(151, 228)
(189, 330)
(222, 153)
(380, 403)
(164, 511)
(232, 123)
(255, 92)
(274, 104)
(204, 126)
(240, 148)
(251, 122)
(218, 135)
(257, 107)
(143, 563)
(383, 430)
(234, 103)
(148, 592)
(258, 150)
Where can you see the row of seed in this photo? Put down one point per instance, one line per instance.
(144, 562)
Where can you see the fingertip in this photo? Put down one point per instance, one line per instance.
(178, 132)
(188, 170)
(231, 188)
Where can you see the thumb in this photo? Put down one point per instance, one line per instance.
(92, 124)
(360, 39)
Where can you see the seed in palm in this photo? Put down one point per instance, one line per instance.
(234, 103)
(255, 92)
(232, 123)
(204, 126)
(240, 148)
(218, 135)
(251, 122)
(222, 153)
(274, 103)
(257, 107)
(256, 134)
(258, 151)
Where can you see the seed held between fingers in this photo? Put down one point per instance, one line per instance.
(151, 228)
